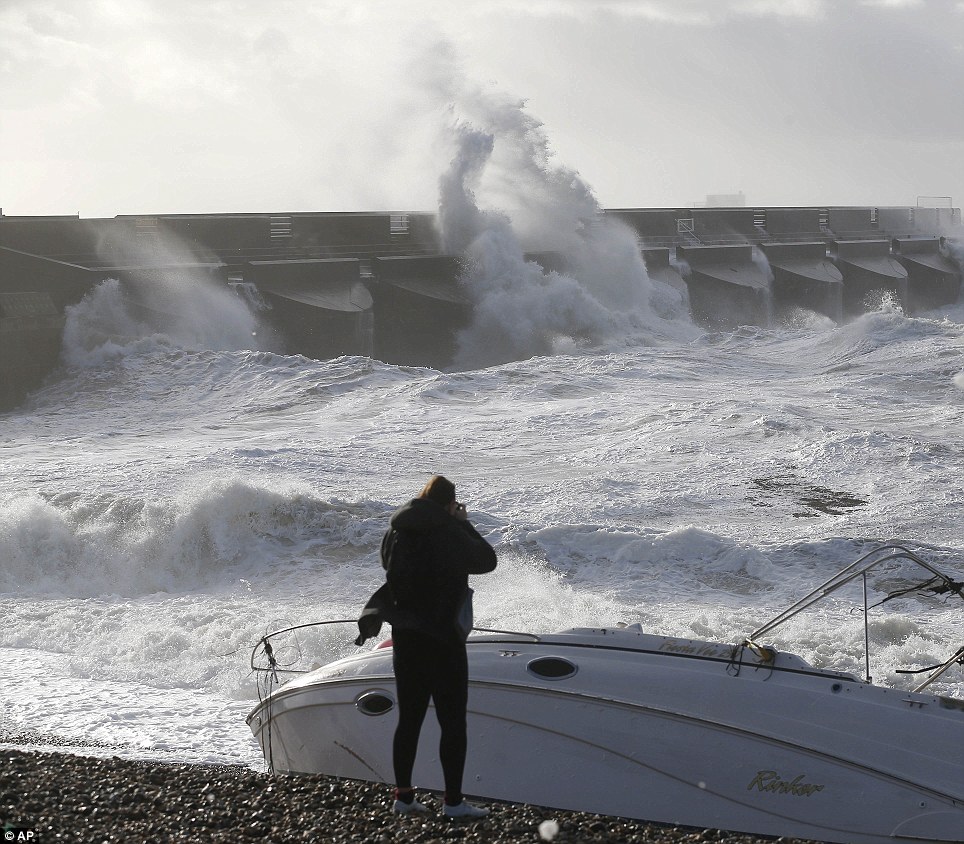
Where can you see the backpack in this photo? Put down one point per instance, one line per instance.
(404, 561)
(407, 588)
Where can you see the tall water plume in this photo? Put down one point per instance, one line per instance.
(501, 196)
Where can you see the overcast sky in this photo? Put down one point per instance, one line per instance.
(188, 106)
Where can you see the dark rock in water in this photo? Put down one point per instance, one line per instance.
(818, 499)
(79, 798)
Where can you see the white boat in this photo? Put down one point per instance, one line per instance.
(622, 722)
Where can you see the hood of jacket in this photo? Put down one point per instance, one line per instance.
(420, 515)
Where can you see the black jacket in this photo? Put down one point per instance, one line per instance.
(449, 550)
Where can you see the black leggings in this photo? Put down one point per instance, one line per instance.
(428, 668)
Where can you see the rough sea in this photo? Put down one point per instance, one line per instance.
(174, 492)
(164, 505)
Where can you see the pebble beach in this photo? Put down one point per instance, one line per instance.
(52, 796)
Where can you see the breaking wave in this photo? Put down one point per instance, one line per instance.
(209, 534)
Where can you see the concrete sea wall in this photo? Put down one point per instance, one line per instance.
(379, 284)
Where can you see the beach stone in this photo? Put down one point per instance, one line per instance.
(113, 799)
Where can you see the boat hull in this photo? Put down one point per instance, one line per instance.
(680, 738)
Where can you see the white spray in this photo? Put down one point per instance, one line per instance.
(955, 248)
(762, 263)
(167, 300)
(604, 296)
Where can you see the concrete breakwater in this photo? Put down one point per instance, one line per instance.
(381, 285)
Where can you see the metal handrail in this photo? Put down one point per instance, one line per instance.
(533, 636)
(265, 644)
(859, 570)
(955, 659)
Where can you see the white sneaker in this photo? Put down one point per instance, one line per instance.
(464, 810)
(402, 808)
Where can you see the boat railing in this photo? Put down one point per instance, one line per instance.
(938, 583)
(266, 649)
(532, 636)
(270, 665)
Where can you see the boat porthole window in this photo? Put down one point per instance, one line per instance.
(374, 703)
(836, 687)
(551, 668)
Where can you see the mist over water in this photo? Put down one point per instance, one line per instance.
(175, 305)
(174, 313)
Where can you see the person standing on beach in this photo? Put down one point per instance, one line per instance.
(428, 553)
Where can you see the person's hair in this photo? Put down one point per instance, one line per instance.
(440, 490)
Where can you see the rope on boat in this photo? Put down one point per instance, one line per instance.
(937, 585)
(958, 658)
(765, 654)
